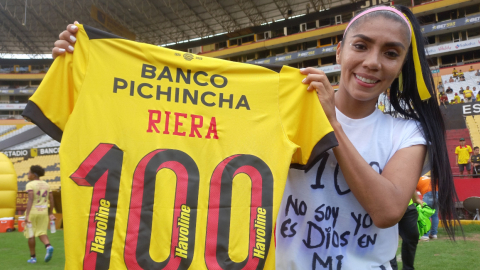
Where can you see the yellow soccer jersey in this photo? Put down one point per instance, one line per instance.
(172, 160)
(41, 191)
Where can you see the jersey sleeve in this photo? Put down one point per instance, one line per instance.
(54, 100)
(303, 119)
(29, 187)
(456, 150)
(469, 149)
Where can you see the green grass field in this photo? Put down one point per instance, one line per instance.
(443, 254)
(14, 252)
(440, 254)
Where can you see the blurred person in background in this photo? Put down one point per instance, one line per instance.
(456, 98)
(462, 154)
(38, 213)
(443, 99)
(408, 230)
(468, 95)
(440, 87)
(476, 162)
(425, 188)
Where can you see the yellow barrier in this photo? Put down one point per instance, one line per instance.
(8, 187)
(463, 222)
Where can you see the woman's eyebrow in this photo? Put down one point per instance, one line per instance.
(388, 44)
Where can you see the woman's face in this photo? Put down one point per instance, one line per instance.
(372, 57)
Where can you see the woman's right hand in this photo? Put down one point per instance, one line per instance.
(66, 41)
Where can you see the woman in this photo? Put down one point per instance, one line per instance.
(342, 211)
(355, 195)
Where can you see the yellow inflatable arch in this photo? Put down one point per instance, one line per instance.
(8, 187)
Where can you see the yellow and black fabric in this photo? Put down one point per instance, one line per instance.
(173, 160)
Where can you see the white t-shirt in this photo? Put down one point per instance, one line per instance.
(321, 225)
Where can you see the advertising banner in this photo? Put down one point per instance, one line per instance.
(451, 24)
(455, 46)
(33, 152)
(297, 55)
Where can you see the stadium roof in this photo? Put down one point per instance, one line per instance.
(32, 26)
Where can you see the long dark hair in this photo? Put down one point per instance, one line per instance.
(406, 102)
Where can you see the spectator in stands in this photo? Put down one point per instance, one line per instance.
(475, 92)
(381, 107)
(462, 154)
(449, 90)
(462, 78)
(454, 73)
(440, 87)
(471, 69)
(425, 187)
(461, 91)
(468, 95)
(443, 99)
(37, 213)
(477, 73)
(462, 101)
(476, 162)
(456, 98)
(460, 73)
(451, 79)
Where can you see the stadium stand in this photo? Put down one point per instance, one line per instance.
(42, 141)
(472, 124)
(6, 129)
(470, 80)
(16, 132)
(51, 163)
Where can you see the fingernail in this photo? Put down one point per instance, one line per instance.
(73, 27)
(72, 38)
(61, 50)
(302, 69)
(76, 22)
(304, 80)
(70, 48)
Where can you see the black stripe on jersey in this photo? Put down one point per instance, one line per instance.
(275, 68)
(327, 142)
(94, 33)
(224, 217)
(33, 113)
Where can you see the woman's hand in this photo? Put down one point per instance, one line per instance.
(66, 41)
(52, 217)
(319, 82)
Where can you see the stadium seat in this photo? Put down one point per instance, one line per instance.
(51, 164)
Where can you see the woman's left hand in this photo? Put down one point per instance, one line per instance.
(319, 82)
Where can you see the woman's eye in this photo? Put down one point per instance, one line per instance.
(392, 54)
(359, 46)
